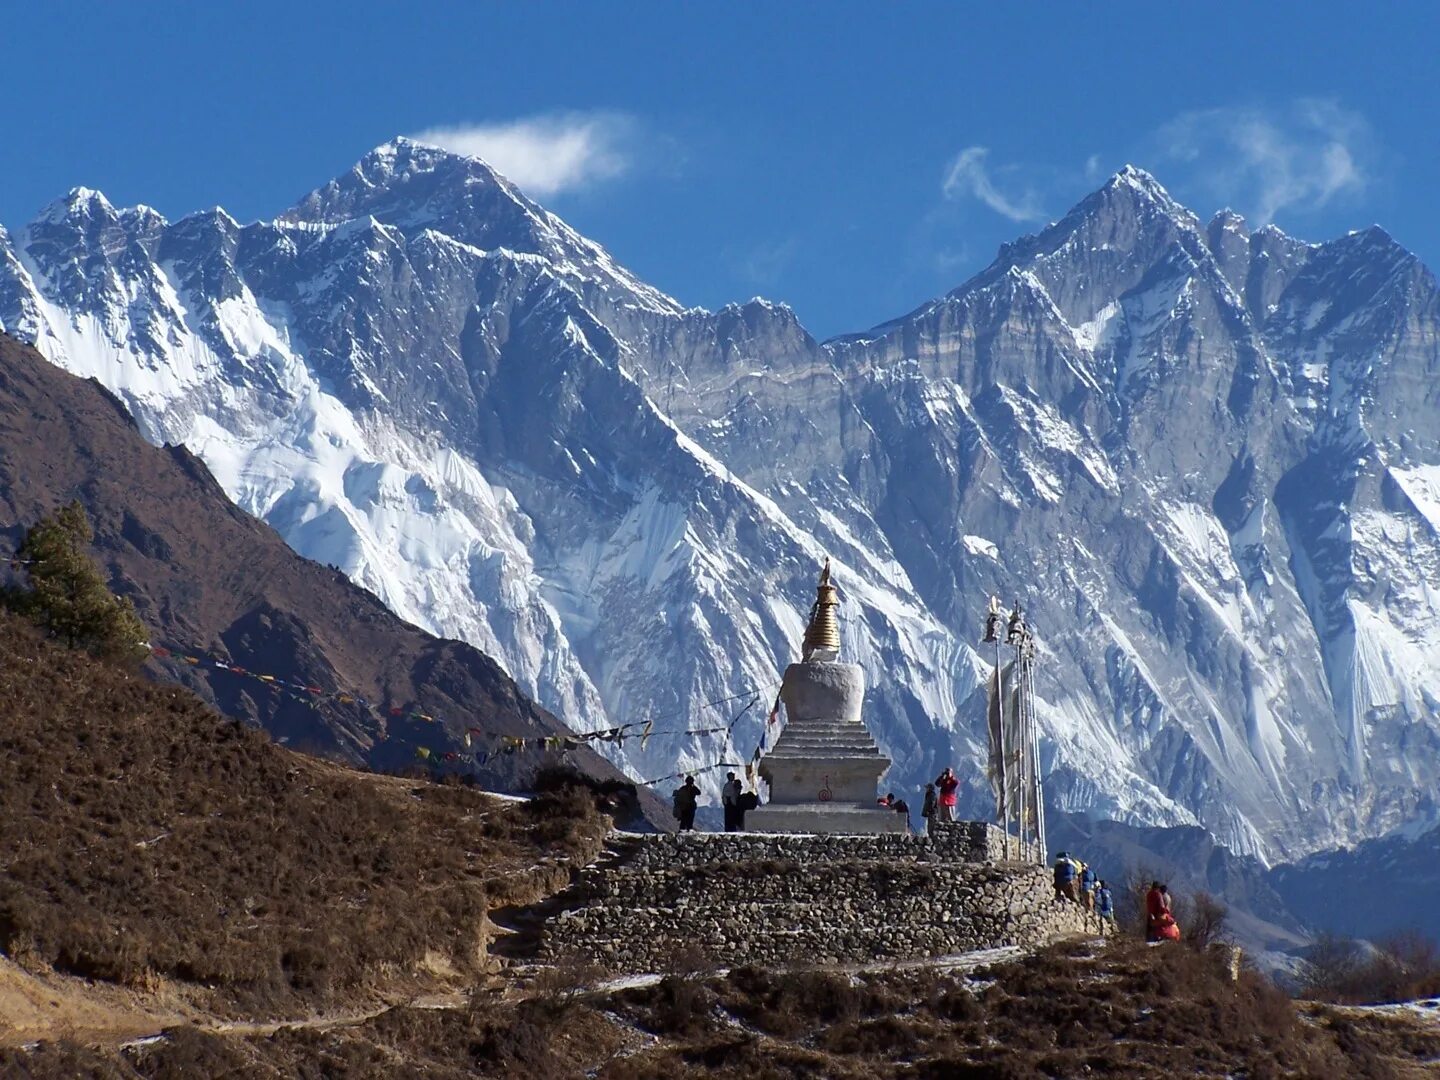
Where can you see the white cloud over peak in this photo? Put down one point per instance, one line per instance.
(969, 174)
(547, 154)
(1264, 161)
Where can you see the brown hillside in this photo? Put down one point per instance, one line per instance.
(203, 573)
(147, 841)
(1122, 1010)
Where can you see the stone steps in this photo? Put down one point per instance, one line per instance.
(795, 726)
(824, 739)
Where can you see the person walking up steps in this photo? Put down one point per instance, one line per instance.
(1065, 873)
(1087, 887)
(1104, 907)
(949, 784)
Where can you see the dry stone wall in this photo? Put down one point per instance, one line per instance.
(781, 899)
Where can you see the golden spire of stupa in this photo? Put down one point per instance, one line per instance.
(822, 636)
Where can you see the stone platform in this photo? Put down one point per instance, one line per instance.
(827, 899)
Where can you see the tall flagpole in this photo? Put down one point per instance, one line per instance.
(1004, 757)
(1022, 750)
(1035, 752)
(1014, 636)
(992, 635)
(1018, 725)
(1017, 636)
(1032, 783)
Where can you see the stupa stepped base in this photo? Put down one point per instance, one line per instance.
(745, 898)
(850, 779)
(828, 818)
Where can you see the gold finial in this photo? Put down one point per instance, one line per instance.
(822, 636)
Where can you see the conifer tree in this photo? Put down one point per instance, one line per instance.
(68, 596)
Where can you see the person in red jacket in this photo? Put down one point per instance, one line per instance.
(1159, 922)
(949, 784)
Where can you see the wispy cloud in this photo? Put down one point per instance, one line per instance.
(548, 154)
(1263, 161)
(969, 175)
(947, 260)
(765, 263)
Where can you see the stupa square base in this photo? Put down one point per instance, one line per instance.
(824, 817)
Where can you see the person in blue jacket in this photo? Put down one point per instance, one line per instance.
(1087, 887)
(1065, 877)
(1104, 905)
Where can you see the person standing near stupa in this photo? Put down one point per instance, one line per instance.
(730, 800)
(948, 784)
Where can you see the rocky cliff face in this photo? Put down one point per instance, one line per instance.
(1203, 457)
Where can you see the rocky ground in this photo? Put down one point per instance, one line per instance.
(1075, 1010)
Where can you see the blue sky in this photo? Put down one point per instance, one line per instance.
(852, 160)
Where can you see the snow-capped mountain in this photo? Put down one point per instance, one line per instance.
(1204, 458)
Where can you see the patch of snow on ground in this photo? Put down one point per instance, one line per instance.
(978, 545)
(1421, 485)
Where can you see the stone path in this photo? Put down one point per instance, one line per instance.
(521, 928)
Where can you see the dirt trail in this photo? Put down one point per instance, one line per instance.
(50, 1006)
(34, 1007)
(519, 928)
(332, 1021)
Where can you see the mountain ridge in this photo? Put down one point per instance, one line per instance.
(207, 576)
(1135, 421)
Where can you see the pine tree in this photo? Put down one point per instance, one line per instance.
(68, 596)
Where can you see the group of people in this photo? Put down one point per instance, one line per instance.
(941, 798)
(1076, 881)
(734, 800)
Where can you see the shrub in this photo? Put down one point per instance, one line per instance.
(1202, 920)
(1402, 967)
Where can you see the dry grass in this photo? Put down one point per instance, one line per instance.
(1128, 1011)
(144, 837)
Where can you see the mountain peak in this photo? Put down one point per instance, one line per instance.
(405, 179)
(413, 187)
(1135, 177)
(1229, 219)
(77, 202)
(403, 156)
(1142, 186)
